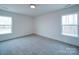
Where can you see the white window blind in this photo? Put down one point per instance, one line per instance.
(70, 25)
(5, 25)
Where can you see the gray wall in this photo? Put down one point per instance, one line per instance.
(22, 25)
(49, 25)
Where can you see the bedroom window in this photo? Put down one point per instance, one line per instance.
(5, 25)
(70, 25)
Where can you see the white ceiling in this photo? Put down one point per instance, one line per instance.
(26, 10)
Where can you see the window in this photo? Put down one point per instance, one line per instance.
(70, 25)
(5, 25)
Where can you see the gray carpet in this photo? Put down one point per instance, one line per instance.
(36, 45)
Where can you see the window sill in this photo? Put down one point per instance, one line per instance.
(70, 35)
(5, 34)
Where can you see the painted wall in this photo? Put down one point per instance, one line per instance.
(22, 25)
(49, 25)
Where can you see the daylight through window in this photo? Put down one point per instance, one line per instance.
(5, 25)
(70, 25)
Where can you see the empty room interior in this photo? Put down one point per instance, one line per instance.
(39, 29)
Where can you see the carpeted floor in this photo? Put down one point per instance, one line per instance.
(36, 45)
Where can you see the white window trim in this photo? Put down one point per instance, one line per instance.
(7, 25)
(67, 34)
(72, 35)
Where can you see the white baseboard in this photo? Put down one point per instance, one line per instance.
(58, 40)
(16, 37)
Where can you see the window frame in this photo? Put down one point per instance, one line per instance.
(67, 34)
(7, 25)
